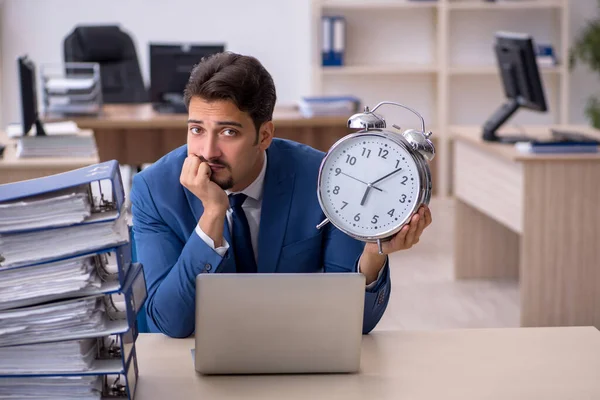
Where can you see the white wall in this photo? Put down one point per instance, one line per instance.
(275, 31)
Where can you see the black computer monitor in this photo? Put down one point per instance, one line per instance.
(523, 87)
(28, 92)
(170, 67)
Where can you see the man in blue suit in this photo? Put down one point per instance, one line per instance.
(235, 199)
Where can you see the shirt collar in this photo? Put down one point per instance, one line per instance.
(255, 189)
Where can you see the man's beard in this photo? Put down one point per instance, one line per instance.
(225, 183)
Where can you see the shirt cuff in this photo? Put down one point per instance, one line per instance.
(371, 285)
(211, 243)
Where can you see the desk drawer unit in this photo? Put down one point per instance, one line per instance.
(490, 183)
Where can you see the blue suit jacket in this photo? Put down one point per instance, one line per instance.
(165, 215)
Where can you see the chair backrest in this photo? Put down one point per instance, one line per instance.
(115, 51)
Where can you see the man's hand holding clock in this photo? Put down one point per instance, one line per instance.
(371, 261)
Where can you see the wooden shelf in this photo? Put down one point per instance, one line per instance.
(400, 69)
(493, 70)
(504, 5)
(377, 4)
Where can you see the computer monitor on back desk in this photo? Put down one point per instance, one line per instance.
(170, 67)
(30, 115)
(521, 80)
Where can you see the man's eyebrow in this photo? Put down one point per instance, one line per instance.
(231, 123)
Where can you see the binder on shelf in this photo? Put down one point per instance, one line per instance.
(334, 40)
(99, 272)
(327, 41)
(339, 40)
(82, 196)
(79, 318)
(545, 55)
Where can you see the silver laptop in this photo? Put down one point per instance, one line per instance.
(279, 323)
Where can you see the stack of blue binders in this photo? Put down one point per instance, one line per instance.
(69, 291)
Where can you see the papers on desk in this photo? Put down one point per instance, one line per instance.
(56, 146)
(62, 139)
(51, 128)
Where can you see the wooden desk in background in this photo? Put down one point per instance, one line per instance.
(13, 169)
(531, 216)
(136, 134)
(520, 363)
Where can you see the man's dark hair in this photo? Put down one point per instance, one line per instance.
(235, 77)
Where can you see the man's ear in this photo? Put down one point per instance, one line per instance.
(265, 135)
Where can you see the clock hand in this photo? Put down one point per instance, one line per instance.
(362, 202)
(356, 179)
(383, 177)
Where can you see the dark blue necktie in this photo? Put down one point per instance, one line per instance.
(240, 235)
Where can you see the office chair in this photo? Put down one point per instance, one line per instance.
(115, 51)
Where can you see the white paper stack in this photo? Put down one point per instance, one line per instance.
(56, 146)
(61, 128)
(16, 249)
(59, 387)
(25, 286)
(66, 207)
(328, 106)
(63, 85)
(67, 356)
(51, 321)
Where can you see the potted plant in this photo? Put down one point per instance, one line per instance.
(586, 49)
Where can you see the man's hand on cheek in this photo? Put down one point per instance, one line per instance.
(195, 176)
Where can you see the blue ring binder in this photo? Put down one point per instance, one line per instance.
(91, 329)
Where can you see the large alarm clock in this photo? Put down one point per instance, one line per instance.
(371, 182)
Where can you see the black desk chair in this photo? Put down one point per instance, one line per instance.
(115, 51)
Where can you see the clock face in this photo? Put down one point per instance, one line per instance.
(369, 185)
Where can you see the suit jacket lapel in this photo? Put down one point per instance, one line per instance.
(277, 199)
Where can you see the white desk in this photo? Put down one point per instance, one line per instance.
(520, 363)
